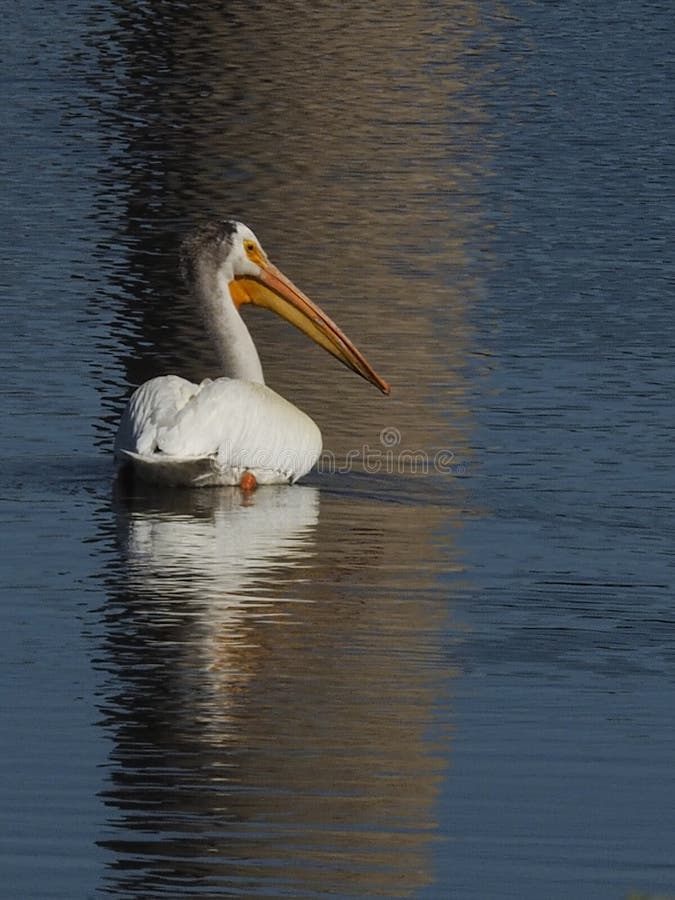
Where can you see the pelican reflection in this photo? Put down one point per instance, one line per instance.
(248, 723)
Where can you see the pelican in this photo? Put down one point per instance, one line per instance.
(232, 430)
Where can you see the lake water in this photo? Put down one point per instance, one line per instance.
(444, 666)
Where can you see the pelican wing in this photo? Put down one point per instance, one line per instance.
(182, 433)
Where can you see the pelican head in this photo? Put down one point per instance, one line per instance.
(226, 257)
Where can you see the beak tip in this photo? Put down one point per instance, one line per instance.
(385, 387)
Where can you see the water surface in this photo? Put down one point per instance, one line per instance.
(443, 666)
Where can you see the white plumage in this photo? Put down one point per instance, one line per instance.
(215, 433)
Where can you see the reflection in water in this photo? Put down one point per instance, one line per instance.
(273, 673)
(358, 171)
(200, 553)
(269, 707)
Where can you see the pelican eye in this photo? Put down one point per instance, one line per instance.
(250, 247)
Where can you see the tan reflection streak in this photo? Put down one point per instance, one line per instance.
(308, 664)
(360, 187)
(306, 687)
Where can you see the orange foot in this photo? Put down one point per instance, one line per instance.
(248, 482)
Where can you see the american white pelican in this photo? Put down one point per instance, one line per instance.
(233, 430)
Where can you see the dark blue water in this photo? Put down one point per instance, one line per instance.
(444, 666)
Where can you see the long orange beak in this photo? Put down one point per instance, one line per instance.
(274, 291)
